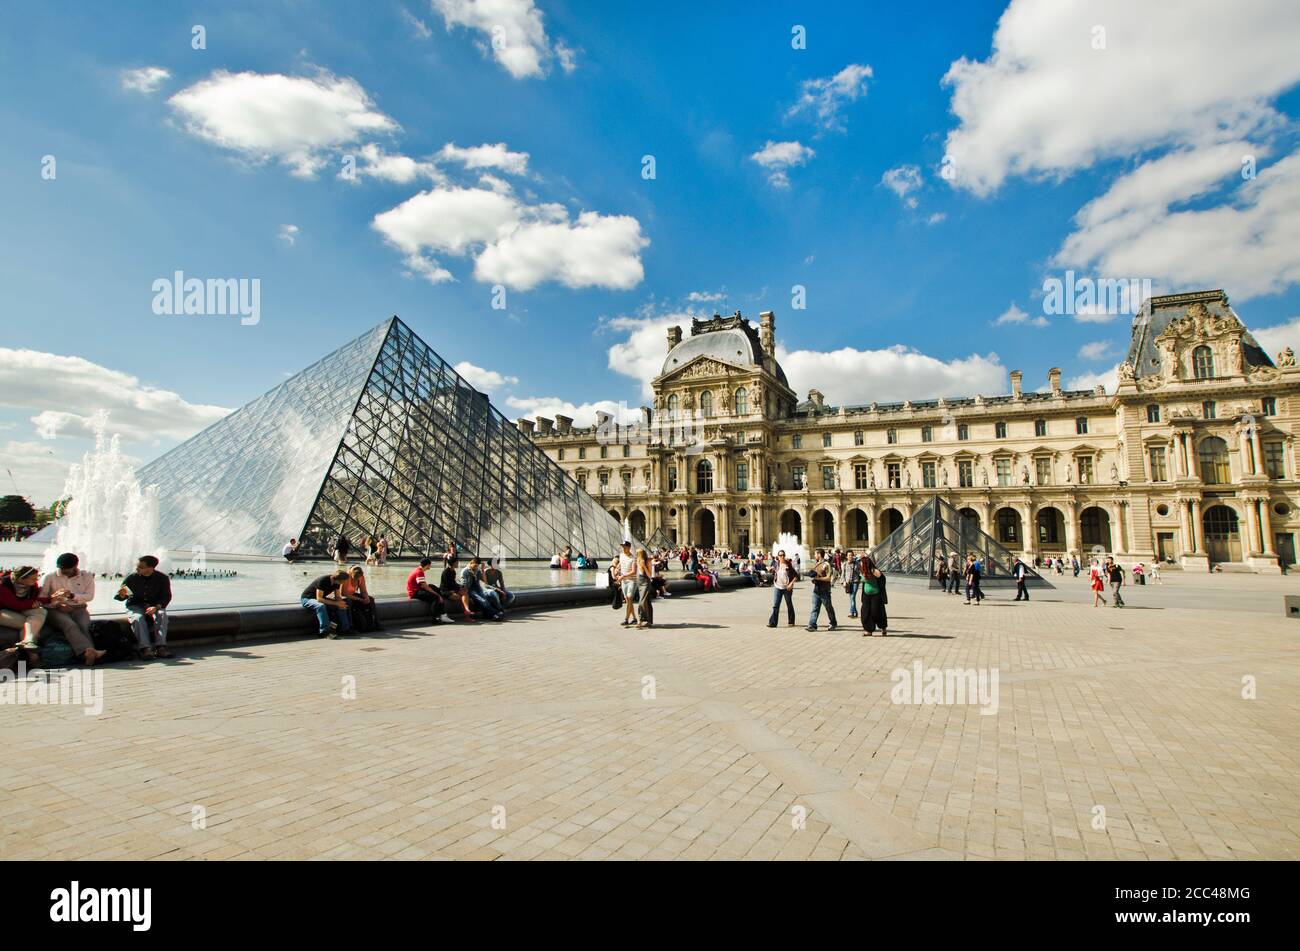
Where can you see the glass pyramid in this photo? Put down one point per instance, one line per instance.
(381, 437)
(936, 529)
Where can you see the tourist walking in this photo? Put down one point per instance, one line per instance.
(783, 578)
(954, 574)
(645, 592)
(974, 568)
(874, 598)
(1116, 575)
(1097, 584)
(1020, 571)
(823, 580)
(852, 581)
(627, 583)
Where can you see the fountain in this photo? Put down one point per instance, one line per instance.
(110, 520)
(791, 545)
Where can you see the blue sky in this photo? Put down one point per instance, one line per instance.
(919, 177)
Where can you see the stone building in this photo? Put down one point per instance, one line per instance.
(1192, 459)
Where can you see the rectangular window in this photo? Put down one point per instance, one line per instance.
(796, 442)
(1085, 470)
(999, 430)
(582, 452)
(1153, 413)
(627, 482)
(895, 471)
(1004, 471)
(927, 475)
(627, 450)
(1159, 469)
(1040, 427)
(672, 478)
(860, 480)
(1043, 467)
(963, 431)
(1209, 410)
(1274, 460)
(965, 473)
(857, 438)
(740, 439)
(1081, 426)
(1269, 405)
(560, 456)
(742, 477)
(604, 481)
(828, 477)
(582, 482)
(826, 440)
(604, 452)
(927, 434)
(797, 476)
(891, 436)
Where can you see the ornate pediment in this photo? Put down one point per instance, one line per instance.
(1199, 324)
(701, 367)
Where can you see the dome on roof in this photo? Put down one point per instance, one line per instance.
(736, 344)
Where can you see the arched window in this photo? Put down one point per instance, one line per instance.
(672, 405)
(742, 402)
(704, 476)
(706, 403)
(1213, 455)
(1203, 363)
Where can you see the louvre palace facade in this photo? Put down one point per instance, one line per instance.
(1192, 460)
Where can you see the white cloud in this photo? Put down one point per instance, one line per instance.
(1250, 244)
(1047, 102)
(893, 373)
(38, 470)
(288, 234)
(496, 156)
(826, 97)
(1095, 350)
(778, 157)
(1087, 381)
(418, 26)
(390, 167)
(65, 392)
(640, 355)
(514, 244)
(568, 57)
(935, 218)
(482, 379)
(1014, 315)
(705, 297)
(902, 181)
(296, 120)
(512, 32)
(146, 79)
(1275, 339)
(582, 414)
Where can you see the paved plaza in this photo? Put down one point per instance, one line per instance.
(1117, 735)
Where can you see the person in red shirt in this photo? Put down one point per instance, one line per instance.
(419, 589)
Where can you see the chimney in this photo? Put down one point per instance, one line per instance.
(1016, 377)
(767, 332)
(815, 397)
(544, 425)
(1054, 378)
(674, 336)
(563, 424)
(525, 426)
(646, 415)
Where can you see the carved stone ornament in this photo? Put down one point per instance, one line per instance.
(1126, 372)
(1286, 358)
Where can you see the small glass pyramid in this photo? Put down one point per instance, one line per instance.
(381, 437)
(938, 529)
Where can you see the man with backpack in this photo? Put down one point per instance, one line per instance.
(822, 578)
(1116, 575)
(1020, 571)
(783, 578)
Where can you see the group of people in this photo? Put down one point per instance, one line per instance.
(374, 549)
(861, 577)
(61, 600)
(564, 559)
(16, 533)
(954, 575)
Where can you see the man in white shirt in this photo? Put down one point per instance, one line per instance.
(627, 581)
(70, 591)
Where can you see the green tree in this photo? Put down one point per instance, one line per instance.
(15, 508)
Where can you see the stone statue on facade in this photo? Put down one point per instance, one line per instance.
(1286, 358)
(1126, 372)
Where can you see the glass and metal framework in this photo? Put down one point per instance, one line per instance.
(381, 437)
(937, 529)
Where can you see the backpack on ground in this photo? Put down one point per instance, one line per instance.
(113, 637)
(55, 650)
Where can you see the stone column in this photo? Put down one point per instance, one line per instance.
(1184, 523)
(1266, 525)
(1072, 527)
(1252, 547)
(1198, 527)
